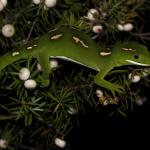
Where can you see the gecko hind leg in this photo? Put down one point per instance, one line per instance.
(108, 85)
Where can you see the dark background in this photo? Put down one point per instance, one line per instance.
(99, 130)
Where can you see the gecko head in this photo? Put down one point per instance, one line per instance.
(133, 53)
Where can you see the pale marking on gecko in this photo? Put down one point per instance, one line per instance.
(36, 38)
(136, 63)
(128, 49)
(30, 47)
(15, 53)
(57, 36)
(83, 44)
(77, 40)
(105, 53)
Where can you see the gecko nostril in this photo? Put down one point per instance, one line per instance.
(136, 56)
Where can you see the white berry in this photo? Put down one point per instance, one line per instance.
(1, 6)
(120, 27)
(145, 73)
(140, 100)
(50, 3)
(97, 28)
(39, 67)
(4, 2)
(99, 93)
(30, 84)
(24, 74)
(105, 103)
(8, 30)
(60, 143)
(134, 78)
(53, 63)
(36, 2)
(3, 143)
(128, 27)
(92, 14)
(72, 111)
(104, 14)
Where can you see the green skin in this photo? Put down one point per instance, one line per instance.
(66, 47)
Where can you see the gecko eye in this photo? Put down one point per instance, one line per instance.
(136, 56)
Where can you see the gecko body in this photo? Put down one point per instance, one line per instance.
(76, 46)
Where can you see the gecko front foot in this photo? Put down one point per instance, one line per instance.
(109, 86)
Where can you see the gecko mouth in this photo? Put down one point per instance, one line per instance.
(136, 63)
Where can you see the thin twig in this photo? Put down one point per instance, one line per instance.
(141, 34)
(145, 36)
(138, 5)
(26, 147)
(30, 32)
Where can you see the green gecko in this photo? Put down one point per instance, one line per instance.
(76, 46)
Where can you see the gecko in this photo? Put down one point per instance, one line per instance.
(76, 46)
